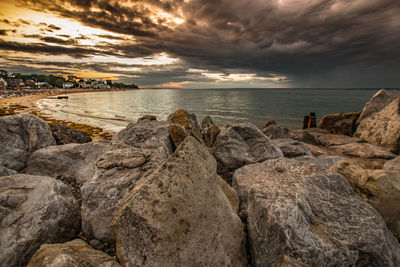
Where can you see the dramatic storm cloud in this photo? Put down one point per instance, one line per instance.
(214, 43)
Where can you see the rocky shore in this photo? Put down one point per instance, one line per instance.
(184, 193)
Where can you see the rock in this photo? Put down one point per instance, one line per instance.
(74, 253)
(242, 144)
(378, 101)
(20, 135)
(6, 172)
(132, 156)
(392, 166)
(276, 132)
(96, 244)
(34, 210)
(64, 135)
(292, 148)
(72, 160)
(312, 215)
(210, 135)
(304, 136)
(286, 261)
(383, 127)
(324, 161)
(206, 122)
(179, 216)
(364, 151)
(177, 133)
(188, 121)
(147, 117)
(378, 188)
(230, 194)
(269, 123)
(316, 150)
(337, 139)
(341, 123)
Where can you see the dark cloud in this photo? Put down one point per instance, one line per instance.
(3, 32)
(54, 27)
(111, 37)
(56, 40)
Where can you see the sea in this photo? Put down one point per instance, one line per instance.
(113, 110)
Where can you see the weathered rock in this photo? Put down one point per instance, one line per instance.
(337, 139)
(210, 135)
(378, 188)
(65, 135)
(74, 253)
(275, 131)
(206, 122)
(20, 135)
(383, 127)
(324, 161)
(269, 123)
(230, 194)
(179, 216)
(286, 261)
(242, 144)
(292, 148)
(304, 136)
(132, 156)
(316, 150)
(72, 160)
(312, 215)
(177, 133)
(340, 123)
(378, 101)
(34, 210)
(6, 172)
(147, 117)
(364, 151)
(96, 244)
(188, 121)
(392, 166)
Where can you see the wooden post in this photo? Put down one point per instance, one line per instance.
(312, 123)
(305, 122)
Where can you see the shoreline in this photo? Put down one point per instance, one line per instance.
(28, 104)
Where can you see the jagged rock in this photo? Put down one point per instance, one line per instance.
(312, 215)
(340, 123)
(179, 216)
(6, 172)
(292, 148)
(188, 121)
(34, 210)
(323, 161)
(147, 117)
(177, 133)
(378, 101)
(206, 122)
(392, 166)
(383, 127)
(286, 261)
(274, 131)
(210, 135)
(65, 135)
(337, 139)
(20, 135)
(364, 151)
(74, 253)
(72, 160)
(242, 144)
(132, 156)
(304, 136)
(378, 188)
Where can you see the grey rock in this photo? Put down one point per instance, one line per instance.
(392, 166)
(378, 101)
(383, 127)
(6, 172)
(74, 253)
(340, 123)
(274, 131)
(65, 135)
(337, 139)
(72, 160)
(292, 148)
(317, 150)
(324, 161)
(206, 122)
(97, 244)
(34, 210)
(312, 215)
(378, 188)
(179, 216)
(304, 136)
(20, 135)
(364, 151)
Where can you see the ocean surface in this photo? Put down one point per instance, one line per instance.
(115, 109)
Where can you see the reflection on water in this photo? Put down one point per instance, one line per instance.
(113, 110)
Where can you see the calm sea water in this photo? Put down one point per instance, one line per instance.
(114, 110)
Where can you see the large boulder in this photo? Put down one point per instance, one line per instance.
(378, 188)
(383, 127)
(274, 131)
(132, 156)
(305, 136)
(312, 215)
(189, 123)
(209, 130)
(179, 216)
(378, 101)
(75, 161)
(20, 135)
(65, 135)
(292, 148)
(340, 123)
(322, 161)
(364, 151)
(241, 144)
(74, 253)
(34, 210)
(337, 139)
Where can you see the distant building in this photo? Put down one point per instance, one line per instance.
(15, 84)
(43, 85)
(68, 85)
(3, 84)
(30, 84)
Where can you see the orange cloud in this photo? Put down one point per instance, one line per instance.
(167, 85)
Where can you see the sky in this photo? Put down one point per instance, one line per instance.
(206, 43)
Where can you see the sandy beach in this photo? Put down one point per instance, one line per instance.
(28, 104)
